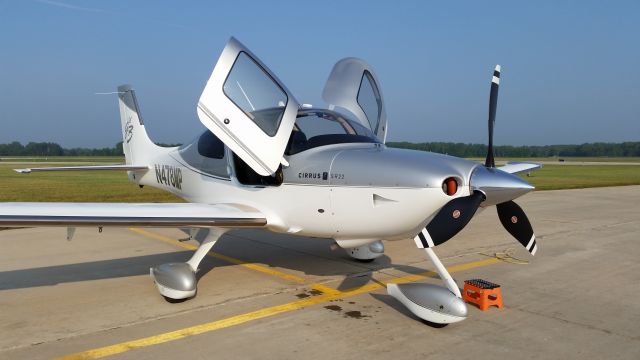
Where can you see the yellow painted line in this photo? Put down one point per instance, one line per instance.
(259, 314)
(229, 259)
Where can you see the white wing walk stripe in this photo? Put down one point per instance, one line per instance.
(495, 80)
(531, 242)
(418, 242)
(534, 250)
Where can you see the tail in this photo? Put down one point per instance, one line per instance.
(137, 147)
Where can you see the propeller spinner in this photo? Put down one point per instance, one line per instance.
(490, 186)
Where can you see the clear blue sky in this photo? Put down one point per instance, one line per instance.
(571, 69)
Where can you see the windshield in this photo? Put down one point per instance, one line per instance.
(315, 128)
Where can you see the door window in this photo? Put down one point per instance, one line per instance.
(369, 100)
(252, 90)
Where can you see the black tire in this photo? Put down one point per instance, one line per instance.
(174, 301)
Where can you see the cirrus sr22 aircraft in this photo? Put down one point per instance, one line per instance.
(267, 161)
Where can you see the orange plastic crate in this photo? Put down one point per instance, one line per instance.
(482, 293)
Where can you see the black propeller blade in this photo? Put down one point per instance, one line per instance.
(517, 224)
(452, 218)
(493, 104)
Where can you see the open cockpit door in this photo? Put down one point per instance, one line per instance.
(353, 85)
(248, 108)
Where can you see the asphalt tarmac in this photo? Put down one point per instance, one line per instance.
(268, 296)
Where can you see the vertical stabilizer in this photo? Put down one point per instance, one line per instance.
(137, 146)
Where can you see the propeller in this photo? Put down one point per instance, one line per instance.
(491, 186)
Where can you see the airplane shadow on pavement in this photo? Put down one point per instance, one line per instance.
(310, 256)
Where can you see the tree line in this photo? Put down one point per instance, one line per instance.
(456, 149)
(46, 149)
(480, 150)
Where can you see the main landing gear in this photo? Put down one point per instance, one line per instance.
(177, 281)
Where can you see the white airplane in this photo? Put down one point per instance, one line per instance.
(267, 161)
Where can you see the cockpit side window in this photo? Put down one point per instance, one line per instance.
(210, 146)
(206, 154)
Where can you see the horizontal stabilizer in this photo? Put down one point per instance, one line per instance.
(85, 168)
(519, 167)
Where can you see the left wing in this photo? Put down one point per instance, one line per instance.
(129, 214)
(518, 167)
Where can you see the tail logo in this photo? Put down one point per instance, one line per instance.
(128, 131)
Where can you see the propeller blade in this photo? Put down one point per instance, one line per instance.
(452, 218)
(517, 224)
(493, 104)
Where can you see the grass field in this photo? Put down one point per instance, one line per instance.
(113, 186)
(554, 177)
(89, 186)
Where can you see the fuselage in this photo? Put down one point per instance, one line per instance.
(355, 192)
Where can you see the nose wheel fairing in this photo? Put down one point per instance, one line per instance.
(429, 302)
(432, 303)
